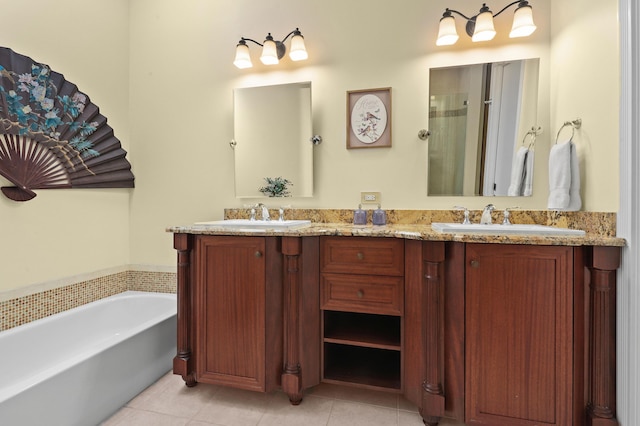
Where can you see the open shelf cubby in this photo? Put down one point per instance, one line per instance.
(357, 329)
(370, 367)
(362, 349)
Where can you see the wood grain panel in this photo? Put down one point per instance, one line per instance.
(356, 255)
(232, 309)
(519, 327)
(360, 293)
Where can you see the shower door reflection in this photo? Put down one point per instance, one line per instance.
(447, 143)
(478, 117)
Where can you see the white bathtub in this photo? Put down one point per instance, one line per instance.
(80, 366)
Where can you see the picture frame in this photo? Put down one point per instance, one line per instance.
(369, 118)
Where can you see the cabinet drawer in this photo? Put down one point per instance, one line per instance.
(358, 293)
(372, 256)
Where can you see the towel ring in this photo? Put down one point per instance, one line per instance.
(574, 124)
(533, 139)
(533, 133)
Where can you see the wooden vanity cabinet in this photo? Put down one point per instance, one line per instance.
(244, 306)
(362, 302)
(488, 334)
(524, 327)
(238, 304)
(507, 334)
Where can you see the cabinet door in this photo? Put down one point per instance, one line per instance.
(519, 335)
(230, 305)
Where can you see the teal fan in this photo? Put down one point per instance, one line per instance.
(51, 135)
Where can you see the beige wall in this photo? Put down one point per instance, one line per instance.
(587, 85)
(175, 115)
(68, 232)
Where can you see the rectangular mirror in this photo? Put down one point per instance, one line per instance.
(479, 117)
(272, 132)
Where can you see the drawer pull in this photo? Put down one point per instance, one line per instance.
(360, 294)
(258, 253)
(475, 263)
(360, 256)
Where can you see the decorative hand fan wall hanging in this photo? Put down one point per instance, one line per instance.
(51, 135)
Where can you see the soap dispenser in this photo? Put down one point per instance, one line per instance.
(359, 216)
(379, 216)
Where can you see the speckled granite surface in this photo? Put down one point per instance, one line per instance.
(592, 222)
(416, 224)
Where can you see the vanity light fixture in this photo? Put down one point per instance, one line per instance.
(272, 50)
(480, 27)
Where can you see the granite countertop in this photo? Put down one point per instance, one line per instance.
(421, 232)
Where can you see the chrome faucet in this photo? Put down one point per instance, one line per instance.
(507, 215)
(265, 211)
(466, 220)
(486, 214)
(505, 220)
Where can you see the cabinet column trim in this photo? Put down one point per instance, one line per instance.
(602, 333)
(292, 376)
(183, 361)
(433, 401)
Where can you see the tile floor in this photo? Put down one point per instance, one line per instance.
(168, 402)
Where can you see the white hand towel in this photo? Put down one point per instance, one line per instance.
(559, 176)
(564, 178)
(518, 172)
(575, 202)
(527, 188)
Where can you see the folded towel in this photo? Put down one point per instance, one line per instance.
(518, 172)
(527, 187)
(575, 202)
(559, 176)
(564, 178)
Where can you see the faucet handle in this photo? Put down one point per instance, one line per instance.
(466, 220)
(507, 214)
(281, 211)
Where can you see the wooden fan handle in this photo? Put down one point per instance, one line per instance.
(18, 194)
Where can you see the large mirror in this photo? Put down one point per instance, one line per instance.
(272, 131)
(483, 120)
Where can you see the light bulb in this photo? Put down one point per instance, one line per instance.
(484, 30)
(242, 60)
(298, 50)
(447, 34)
(269, 52)
(523, 25)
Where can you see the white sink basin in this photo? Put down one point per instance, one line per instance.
(498, 229)
(255, 225)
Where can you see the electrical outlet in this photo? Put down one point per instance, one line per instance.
(370, 197)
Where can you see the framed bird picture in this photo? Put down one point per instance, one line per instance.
(369, 118)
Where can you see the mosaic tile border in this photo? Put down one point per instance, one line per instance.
(21, 310)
